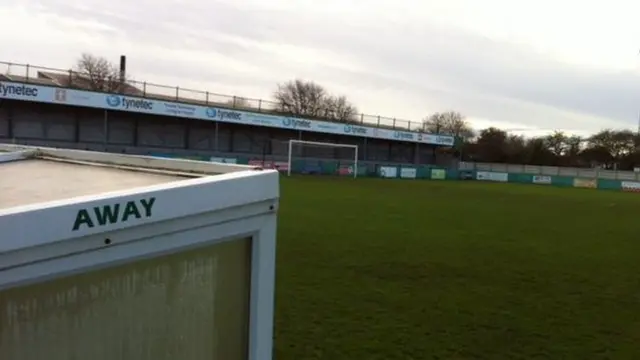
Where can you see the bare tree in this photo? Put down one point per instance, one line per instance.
(306, 98)
(98, 74)
(449, 123)
(434, 123)
(300, 97)
(340, 109)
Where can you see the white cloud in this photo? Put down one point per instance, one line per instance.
(600, 34)
(538, 65)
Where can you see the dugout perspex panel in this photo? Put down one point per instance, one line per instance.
(108, 256)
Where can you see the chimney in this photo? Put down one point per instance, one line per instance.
(123, 68)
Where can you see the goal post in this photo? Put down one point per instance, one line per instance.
(294, 143)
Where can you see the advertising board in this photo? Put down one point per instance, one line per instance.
(388, 171)
(180, 156)
(345, 170)
(408, 173)
(224, 160)
(72, 97)
(630, 186)
(492, 176)
(541, 179)
(585, 183)
(280, 165)
(438, 174)
(266, 164)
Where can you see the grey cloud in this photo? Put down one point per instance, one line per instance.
(487, 78)
(472, 63)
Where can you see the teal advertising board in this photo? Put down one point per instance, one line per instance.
(561, 181)
(429, 172)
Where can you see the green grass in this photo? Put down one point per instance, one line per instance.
(382, 269)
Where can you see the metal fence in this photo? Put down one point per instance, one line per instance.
(34, 74)
(551, 171)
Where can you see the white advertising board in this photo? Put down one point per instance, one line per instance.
(492, 176)
(630, 186)
(408, 173)
(388, 171)
(541, 179)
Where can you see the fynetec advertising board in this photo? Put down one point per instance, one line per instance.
(72, 97)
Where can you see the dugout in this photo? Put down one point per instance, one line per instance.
(109, 256)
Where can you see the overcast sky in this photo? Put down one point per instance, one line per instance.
(563, 64)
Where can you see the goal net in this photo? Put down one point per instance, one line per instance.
(310, 157)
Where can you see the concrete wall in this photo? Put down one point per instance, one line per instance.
(115, 131)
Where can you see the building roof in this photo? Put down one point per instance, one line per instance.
(32, 181)
(37, 175)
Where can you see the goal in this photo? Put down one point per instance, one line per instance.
(346, 155)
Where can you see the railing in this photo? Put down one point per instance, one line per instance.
(31, 74)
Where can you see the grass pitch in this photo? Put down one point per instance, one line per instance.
(383, 269)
